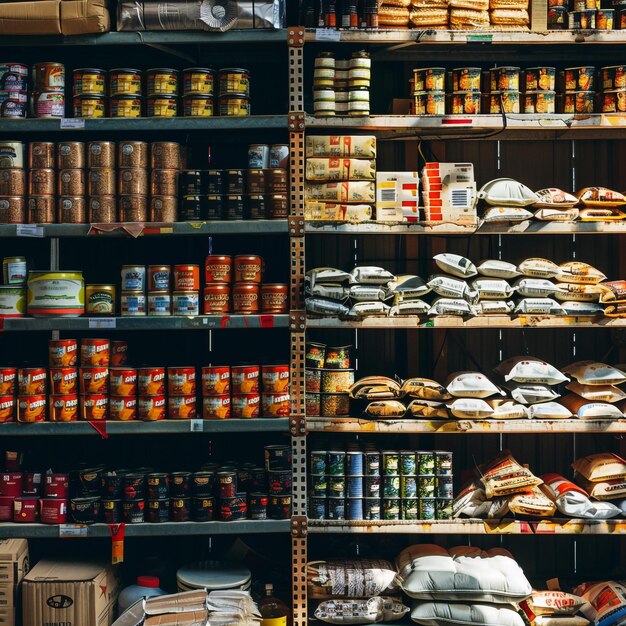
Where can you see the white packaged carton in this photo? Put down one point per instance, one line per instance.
(450, 193)
(397, 196)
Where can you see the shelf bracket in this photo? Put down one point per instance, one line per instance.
(296, 227)
(295, 37)
(297, 321)
(297, 425)
(299, 526)
(296, 121)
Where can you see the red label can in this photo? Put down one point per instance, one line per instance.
(52, 511)
(186, 277)
(63, 353)
(276, 405)
(216, 407)
(31, 409)
(94, 380)
(6, 508)
(246, 298)
(275, 378)
(274, 297)
(181, 408)
(31, 381)
(218, 269)
(25, 510)
(215, 380)
(11, 484)
(94, 407)
(63, 380)
(152, 408)
(95, 353)
(7, 408)
(181, 381)
(56, 486)
(122, 409)
(63, 408)
(119, 353)
(245, 378)
(123, 381)
(248, 269)
(246, 405)
(8, 379)
(216, 298)
(151, 381)
(31, 483)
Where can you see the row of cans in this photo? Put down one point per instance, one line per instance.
(68, 155)
(380, 509)
(385, 463)
(424, 486)
(234, 182)
(233, 207)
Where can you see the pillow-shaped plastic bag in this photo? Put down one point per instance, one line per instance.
(601, 466)
(449, 287)
(506, 214)
(469, 408)
(581, 309)
(528, 393)
(409, 287)
(549, 411)
(365, 309)
(553, 197)
(535, 287)
(597, 393)
(323, 306)
(424, 388)
(375, 388)
(367, 293)
(492, 288)
(450, 306)
(577, 292)
(494, 307)
(507, 192)
(554, 603)
(361, 578)
(579, 273)
(428, 410)
(606, 602)
(471, 385)
(455, 264)
(447, 614)
(389, 409)
(410, 307)
(530, 370)
(371, 275)
(507, 410)
(360, 610)
(600, 197)
(538, 306)
(498, 269)
(556, 215)
(538, 268)
(595, 373)
(327, 275)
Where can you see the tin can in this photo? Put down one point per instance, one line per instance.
(13, 104)
(151, 408)
(248, 269)
(274, 298)
(466, 79)
(258, 156)
(125, 107)
(408, 463)
(355, 509)
(12, 154)
(159, 278)
(192, 182)
(7, 408)
(101, 182)
(465, 103)
(47, 104)
(100, 299)
(583, 20)
(336, 508)
(214, 207)
(234, 181)
(390, 509)
(504, 102)
(505, 78)
(158, 511)
(119, 353)
(180, 484)
(181, 381)
(215, 380)
(336, 460)
(390, 463)
(371, 509)
(94, 380)
(613, 77)
(280, 482)
(202, 509)
(53, 511)
(56, 486)
(257, 505)
(234, 106)
(278, 458)
(186, 277)
(163, 209)
(122, 409)
(94, 407)
(8, 380)
(49, 76)
(390, 485)
(443, 508)
(123, 381)
(540, 79)
(372, 486)
(13, 210)
(133, 278)
(203, 484)
(277, 182)
(218, 269)
(620, 19)
(216, 407)
(151, 381)
(337, 358)
(41, 182)
(443, 463)
(256, 181)
(112, 485)
(133, 485)
(6, 508)
(279, 156)
(197, 106)
(445, 487)
(315, 355)
(410, 509)
(185, 303)
(318, 484)
(246, 405)
(165, 155)
(102, 210)
(275, 378)
(133, 511)
(101, 154)
(11, 73)
(539, 102)
(614, 101)
(579, 78)
(41, 210)
(62, 353)
(192, 208)
(227, 484)
(276, 404)
(159, 303)
(245, 379)
(162, 106)
(90, 106)
(32, 483)
(214, 181)
(233, 509)
(11, 484)
(354, 463)
(95, 352)
(111, 511)
(354, 486)
(14, 270)
(125, 82)
(408, 486)
(430, 103)
(89, 81)
(427, 509)
(425, 463)
(85, 510)
(245, 298)
(234, 81)
(133, 181)
(234, 207)
(31, 381)
(164, 182)
(426, 486)
(337, 381)
(162, 81)
(71, 155)
(133, 208)
(63, 380)
(334, 404)
(429, 79)
(25, 510)
(279, 507)
(12, 183)
(72, 210)
(579, 102)
(198, 81)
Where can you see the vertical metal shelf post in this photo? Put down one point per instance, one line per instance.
(297, 422)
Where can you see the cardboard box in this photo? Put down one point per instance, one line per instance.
(436, 174)
(14, 562)
(54, 17)
(397, 196)
(8, 597)
(69, 593)
(7, 617)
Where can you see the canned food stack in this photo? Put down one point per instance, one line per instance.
(101, 186)
(166, 160)
(48, 97)
(198, 92)
(267, 181)
(348, 160)
(42, 183)
(12, 183)
(14, 86)
(151, 394)
(234, 98)
(72, 186)
(90, 93)
(233, 284)
(132, 181)
(365, 484)
(585, 15)
(245, 391)
(324, 95)
(613, 85)
(429, 91)
(579, 89)
(328, 379)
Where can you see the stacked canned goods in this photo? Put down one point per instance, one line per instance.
(235, 284)
(48, 96)
(365, 484)
(245, 391)
(42, 183)
(234, 98)
(90, 93)
(349, 14)
(586, 15)
(71, 176)
(12, 183)
(14, 86)
(13, 288)
(328, 378)
(342, 87)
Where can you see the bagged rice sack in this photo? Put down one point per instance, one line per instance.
(530, 370)
(549, 411)
(494, 307)
(425, 388)
(605, 602)
(492, 288)
(595, 373)
(450, 306)
(578, 293)
(424, 409)
(597, 393)
(375, 388)
(504, 409)
(533, 502)
(535, 287)
(360, 610)
(498, 269)
(601, 466)
(410, 307)
(471, 385)
(527, 393)
(579, 273)
(472, 502)
(584, 409)
(363, 578)
(469, 408)
(449, 287)
(538, 306)
(538, 268)
(504, 476)
(371, 275)
(389, 409)
(455, 265)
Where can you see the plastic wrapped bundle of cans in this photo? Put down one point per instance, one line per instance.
(226, 492)
(161, 92)
(585, 15)
(346, 15)
(328, 379)
(368, 484)
(342, 87)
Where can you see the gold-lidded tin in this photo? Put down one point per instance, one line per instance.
(12, 183)
(41, 210)
(13, 210)
(164, 182)
(162, 81)
(234, 80)
(89, 82)
(198, 81)
(125, 82)
(165, 155)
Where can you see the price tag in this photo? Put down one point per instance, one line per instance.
(479, 38)
(73, 530)
(327, 34)
(105, 322)
(29, 230)
(197, 426)
(73, 122)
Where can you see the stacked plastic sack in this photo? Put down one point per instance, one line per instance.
(393, 14)
(464, 585)
(509, 14)
(429, 14)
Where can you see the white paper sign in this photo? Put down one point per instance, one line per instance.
(106, 322)
(73, 122)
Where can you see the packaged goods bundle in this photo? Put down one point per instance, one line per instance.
(429, 13)
(397, 197)
(449, 193)
(328, 378)
(14, 565)
(394, 14)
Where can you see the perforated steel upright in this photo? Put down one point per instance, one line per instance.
(295, 42)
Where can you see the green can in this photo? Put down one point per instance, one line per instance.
(426, 486)
(372, 463)
(318, 462)
(410, 508)
(443, 463)
(391, 463)
(391, 486)
(336, 486)
(444, 508)
(425, 463)
(319, 485)
(408, 486)
(336, 463)
(427, 509)
(391, 509)
(408, 463)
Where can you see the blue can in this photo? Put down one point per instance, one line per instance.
(408, 463)
(355, 508)
(372, 486)
(371, 509)
(354, 463)
(408, 486)
(336, 508)
(319, 485)
(318, 462)
(354, 486)
(317, 508)
(444, 487)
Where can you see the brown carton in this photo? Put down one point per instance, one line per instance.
(30, 18)
(74, 593)
(7, 617)
(80, 17)
(8, 597)
(13, 561)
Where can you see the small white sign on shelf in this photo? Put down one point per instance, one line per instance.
(29, 230)
(73, 530)
(327, 34)
(73, 122)
(196, 426)
(105, 322)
